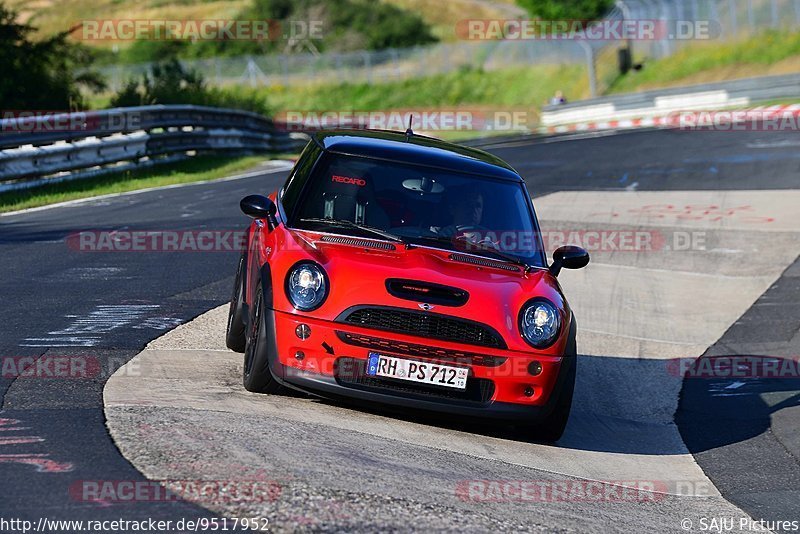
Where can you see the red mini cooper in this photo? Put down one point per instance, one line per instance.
(396, 269)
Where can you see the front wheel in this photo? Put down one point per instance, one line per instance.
(552, 427)
(256, 376)
(235, 337)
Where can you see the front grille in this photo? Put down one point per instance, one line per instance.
(356, 242)
(422, 351)
(350, 372)
(423, 324)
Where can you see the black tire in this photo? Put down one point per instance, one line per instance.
(235, 337)
(552, 427)
(256, 376)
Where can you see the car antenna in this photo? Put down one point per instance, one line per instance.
(409, 131)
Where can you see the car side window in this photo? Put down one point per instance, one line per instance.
(294, 185)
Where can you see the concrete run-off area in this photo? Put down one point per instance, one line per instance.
(178, 411)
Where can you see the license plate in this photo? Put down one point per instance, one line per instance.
(434, 374)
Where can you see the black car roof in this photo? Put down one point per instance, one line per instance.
(417, 149)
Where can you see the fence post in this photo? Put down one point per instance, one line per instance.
(713, 14)
(395, 62)
(734, 17)
(251, 71)
(796, 12)
(284, 69)
(626, 15)
(368, 67)
(664, 16)
(774, 12)
(590, 66)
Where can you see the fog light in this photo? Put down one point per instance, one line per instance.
(303, 331)
(299, 355)
(535, 368)
(529, 391)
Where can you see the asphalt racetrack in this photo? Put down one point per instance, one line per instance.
(717, 219)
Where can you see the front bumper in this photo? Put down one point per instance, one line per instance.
(330, 363)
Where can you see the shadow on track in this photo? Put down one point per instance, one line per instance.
(621, 405)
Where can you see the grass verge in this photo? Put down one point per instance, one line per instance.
(198, 169)
(769, 53)
(518, 86)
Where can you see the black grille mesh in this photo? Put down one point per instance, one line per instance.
(425, 325)
(423, 351)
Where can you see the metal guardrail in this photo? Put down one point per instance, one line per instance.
(37, 148)
(648, 104)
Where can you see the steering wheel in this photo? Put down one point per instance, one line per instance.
(464, 229)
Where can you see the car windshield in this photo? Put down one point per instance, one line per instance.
(420, 206)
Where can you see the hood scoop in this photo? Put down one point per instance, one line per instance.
(357, 242)
(484, 262)
(426, 292)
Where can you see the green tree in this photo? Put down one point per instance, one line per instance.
(42, 75)
(381, 24)
(168, 82)
(567, 9)
(347, 25)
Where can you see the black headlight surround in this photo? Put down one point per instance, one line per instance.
(287, 288)
(559, 318)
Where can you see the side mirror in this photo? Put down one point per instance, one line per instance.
(260, 207)
(568, 257)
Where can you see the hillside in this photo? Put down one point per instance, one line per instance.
(52, 16)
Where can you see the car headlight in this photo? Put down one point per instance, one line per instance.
(539, 323)
(306, 286)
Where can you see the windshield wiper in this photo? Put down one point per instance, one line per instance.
(350, 224)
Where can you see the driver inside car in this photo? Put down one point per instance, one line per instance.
(465, 207)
